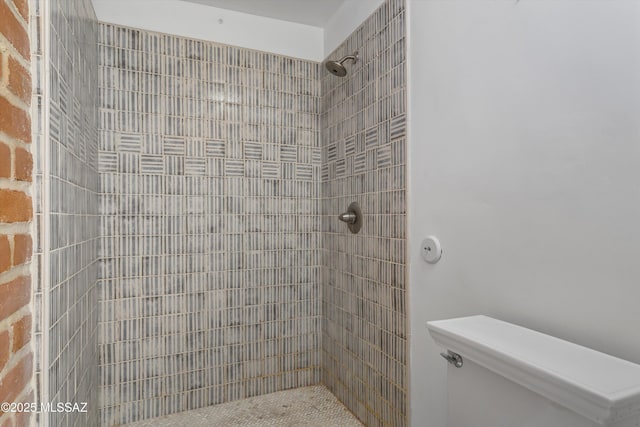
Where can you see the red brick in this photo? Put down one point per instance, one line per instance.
(4, 348)
(14, 381)
(23, 165)
(5, 161)
(5, 254)
(15, 206)
(14, 121)
(19, 80)
(14, 295)
(13, 30)
(21, 333)
(23, 8)
(22, 248)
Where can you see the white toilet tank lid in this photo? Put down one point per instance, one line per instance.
(596, 385)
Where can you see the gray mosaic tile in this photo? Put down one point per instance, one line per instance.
(66, 370)
(302, 407)
(232, 159)
(364, 334)
(215, 148)
(149, 164)
(210, 270)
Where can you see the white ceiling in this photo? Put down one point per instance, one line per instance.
(309, 12)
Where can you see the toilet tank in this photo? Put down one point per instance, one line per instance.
(515, 377)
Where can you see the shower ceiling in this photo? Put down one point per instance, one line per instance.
(309, 12)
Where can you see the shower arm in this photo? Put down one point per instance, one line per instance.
(354, 58)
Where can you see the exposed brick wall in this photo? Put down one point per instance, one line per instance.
(16, 212)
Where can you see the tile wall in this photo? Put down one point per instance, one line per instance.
(364, 336)
(66, 157)
(221, 173)
(210, 190)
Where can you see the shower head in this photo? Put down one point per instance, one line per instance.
(337, 68)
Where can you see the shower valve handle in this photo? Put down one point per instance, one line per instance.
(352, 217)
(349, 217)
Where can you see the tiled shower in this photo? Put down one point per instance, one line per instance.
(364, 337)
(212, 176)
(210, 165)
(65, 107)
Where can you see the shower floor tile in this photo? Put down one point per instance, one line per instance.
(308, 406)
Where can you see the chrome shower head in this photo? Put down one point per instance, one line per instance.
(337, 68)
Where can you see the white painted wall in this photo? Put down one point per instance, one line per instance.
(202, 22)
(345, 20)
(239, 29)
(525, 160)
